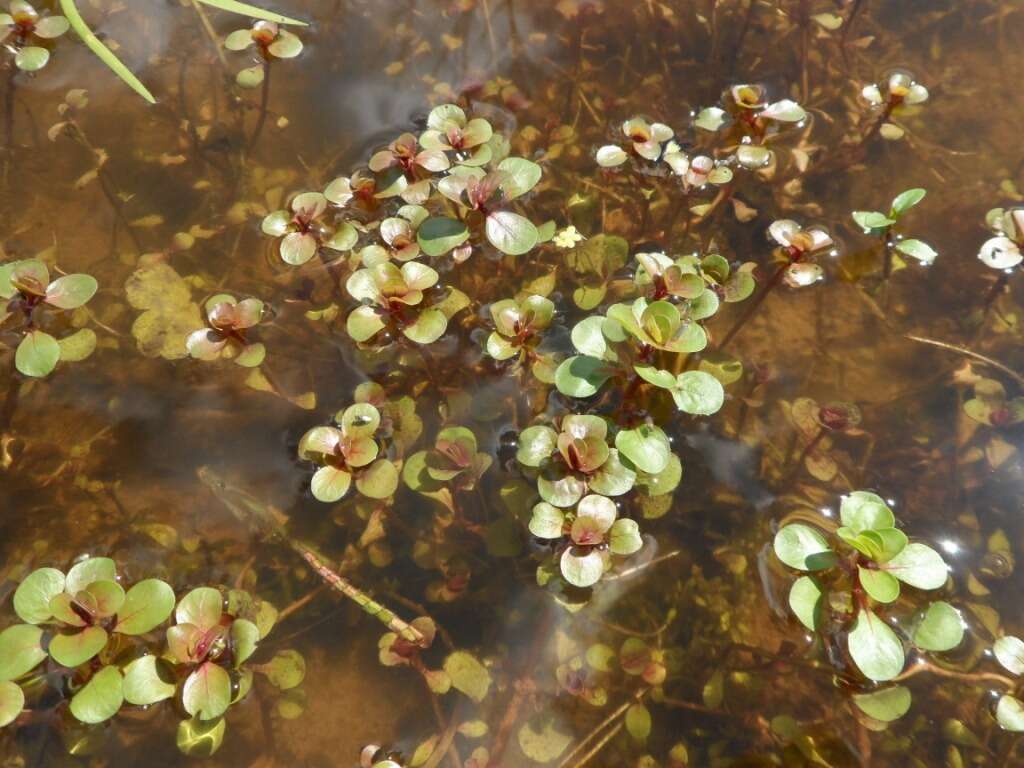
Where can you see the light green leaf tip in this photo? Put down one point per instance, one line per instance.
(107, 56)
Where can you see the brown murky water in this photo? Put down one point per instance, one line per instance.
(101, 456)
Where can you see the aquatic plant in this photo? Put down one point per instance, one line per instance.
(349, 452)
(859, 572)
(880, 225)
(20, 25)
(270, 42)
(396, 298)
(304, 229)
(74, 618)
(230, 321)
(27, 286)
(110, 59)
(898, 95)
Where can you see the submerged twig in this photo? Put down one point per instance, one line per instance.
(971, 354)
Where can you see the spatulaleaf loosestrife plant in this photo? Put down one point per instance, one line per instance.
(881, 225)
(396, 298)
(576, 471)
(855, 572)
(518, 332)
(306, 227)
(898, 95)
(28, 290)
(201, 660)
(625, 344)
(230, 322)
(349, 452)
(269, 41)
(1002, 251)
(21, 26)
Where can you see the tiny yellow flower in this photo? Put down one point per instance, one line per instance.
(568, 238)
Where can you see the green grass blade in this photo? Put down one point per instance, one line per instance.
(251, 10)
(105, 54)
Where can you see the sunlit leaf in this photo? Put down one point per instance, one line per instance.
(148, 680)
(875, 648)
(101, 697)
(37, 354)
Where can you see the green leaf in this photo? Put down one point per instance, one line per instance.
(872, 220)
(624, 537)
(906, 200)
(202, 607)
(540, 741)
(244, 9)
(105, 55)
(638, 722)
(917, 249)
(468, 675)
(536, 444)
(1010, 714)
(521, 176)
(710, 118)
(199, 738)
(1009, 651)
(12, 702)
(329, 484)
(940, 629)
(101, 697)
(78, 346)
(146, 605)
(37, 354)
(886, 705)
(547, 521)
(875, 648)
(148, 680)
(244, 636)
(510, 233)
(582, 376)
(863, 511)
(582, 567)
(286, 670)
(805, 600)
(428, 328)
(652, 375)
(919, 566)
(647, 446)
(379, 480)
(78, 647)
(20, 650)
(804, 548)
(207, 692)
(614, 478)
(31, 58)
(879, 584)
(32, 598)
(90, 570)
(71, 291)
(698, 393)
(439, 234)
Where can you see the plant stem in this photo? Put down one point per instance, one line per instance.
(264, 100)
(971, 354)
(776, 278)
(11, 400)
(9, 118)
(995, 291)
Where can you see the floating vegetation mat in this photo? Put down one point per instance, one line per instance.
(504, 384)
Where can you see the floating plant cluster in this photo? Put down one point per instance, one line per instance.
(111, 647)
(615, 345)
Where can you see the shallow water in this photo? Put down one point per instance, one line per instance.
(101, 456)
